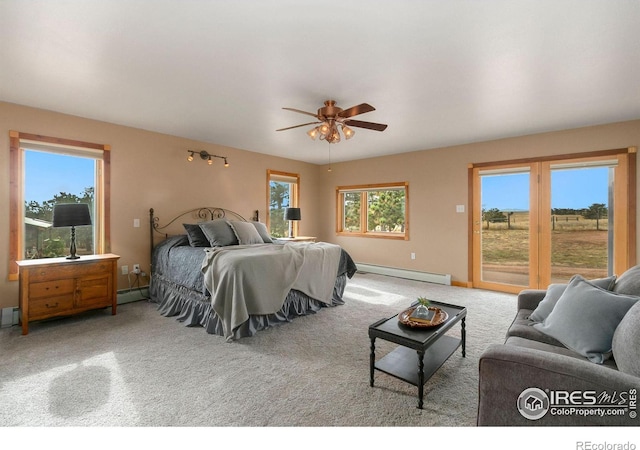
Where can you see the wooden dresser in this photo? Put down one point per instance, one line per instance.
(61, 287)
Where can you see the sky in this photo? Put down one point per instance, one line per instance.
(574, 188)
(48, 174)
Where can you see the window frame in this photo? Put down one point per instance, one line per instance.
(16, 200)
(364, 189)
(294, 200)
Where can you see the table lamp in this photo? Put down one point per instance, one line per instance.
(291, 214)
(71, 215)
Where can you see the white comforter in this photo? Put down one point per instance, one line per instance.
(255, 279)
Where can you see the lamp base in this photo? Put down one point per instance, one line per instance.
(73, 257)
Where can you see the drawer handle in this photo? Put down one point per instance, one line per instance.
(52, 306)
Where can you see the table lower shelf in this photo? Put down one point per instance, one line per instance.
(402, 362)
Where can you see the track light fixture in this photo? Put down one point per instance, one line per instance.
(206, 156)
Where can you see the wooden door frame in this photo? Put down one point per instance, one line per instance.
(540, 249)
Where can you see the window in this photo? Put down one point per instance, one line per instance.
(373, 210)
(46, 171)
(283, 191)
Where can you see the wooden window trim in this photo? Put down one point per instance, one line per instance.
(340, 190)
(102, 200)
(295, 201)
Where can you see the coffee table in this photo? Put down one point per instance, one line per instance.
(420, 351)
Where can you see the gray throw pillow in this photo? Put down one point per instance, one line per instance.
(586, 317)
(245, 232)
(626, 342)
(195, 235)
(263, 232)
(219, 233)
(554, 291)
(629, 282)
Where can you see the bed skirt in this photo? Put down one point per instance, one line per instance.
(193, 308)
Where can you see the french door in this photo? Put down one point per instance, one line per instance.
(540, 221)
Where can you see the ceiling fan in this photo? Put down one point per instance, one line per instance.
(331, 116)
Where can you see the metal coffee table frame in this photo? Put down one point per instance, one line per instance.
(431, 345)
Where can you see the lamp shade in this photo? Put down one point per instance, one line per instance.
(292, 214)
(71, 215)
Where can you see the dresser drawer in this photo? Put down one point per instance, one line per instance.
(51, 306)
(51, 288)
(76, 270)
(94, 292)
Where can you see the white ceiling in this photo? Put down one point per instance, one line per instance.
(439, 73)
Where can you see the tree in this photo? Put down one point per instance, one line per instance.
(279, 198)
(493, 215)
(596, 211)
(386, 210)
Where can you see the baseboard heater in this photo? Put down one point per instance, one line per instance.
(404, 273)
(133, 295)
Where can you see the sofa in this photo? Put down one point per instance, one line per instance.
(571, 357)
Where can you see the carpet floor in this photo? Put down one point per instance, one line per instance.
(140, 369)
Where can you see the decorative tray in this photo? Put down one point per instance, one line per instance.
(440, 317)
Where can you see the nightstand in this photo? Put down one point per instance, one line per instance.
(297, 239)
(54, 287)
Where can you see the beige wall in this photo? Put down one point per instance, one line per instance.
(438, 182)
(150, 170)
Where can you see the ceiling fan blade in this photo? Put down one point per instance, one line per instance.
(355, 110)
(297, 126)
(367, 125)
(301, 112)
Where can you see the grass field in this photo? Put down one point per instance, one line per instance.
(578, 245)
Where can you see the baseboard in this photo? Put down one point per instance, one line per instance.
(133, 295)
(404, 273)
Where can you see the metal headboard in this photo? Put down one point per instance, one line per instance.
(201, 214)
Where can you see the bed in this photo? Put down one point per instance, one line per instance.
(226, 274)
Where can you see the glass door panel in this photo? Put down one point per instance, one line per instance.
(581, 222)
(504, 228)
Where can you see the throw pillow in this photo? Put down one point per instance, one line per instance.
(626, 342)
(195, 235)
(245, 232)
(263, 232)
(554, 291)
(219, 233)
(629, 282)
(586, 317)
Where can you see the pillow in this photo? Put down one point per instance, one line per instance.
(626, 342)
(263, 232)
(219, 233)
(586, 317)
(629, 282)
(245, 232)
(554, 291)
(195, 235)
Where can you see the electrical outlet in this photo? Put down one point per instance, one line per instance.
(136, 268)
(125, 270)
(413, 256)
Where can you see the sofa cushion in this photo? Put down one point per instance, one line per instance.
(586, 317)
(629, 282)
(517, 341)
(626, 342)
(522, 327)
(554, 291)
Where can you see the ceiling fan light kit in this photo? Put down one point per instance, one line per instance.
(332, 118)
